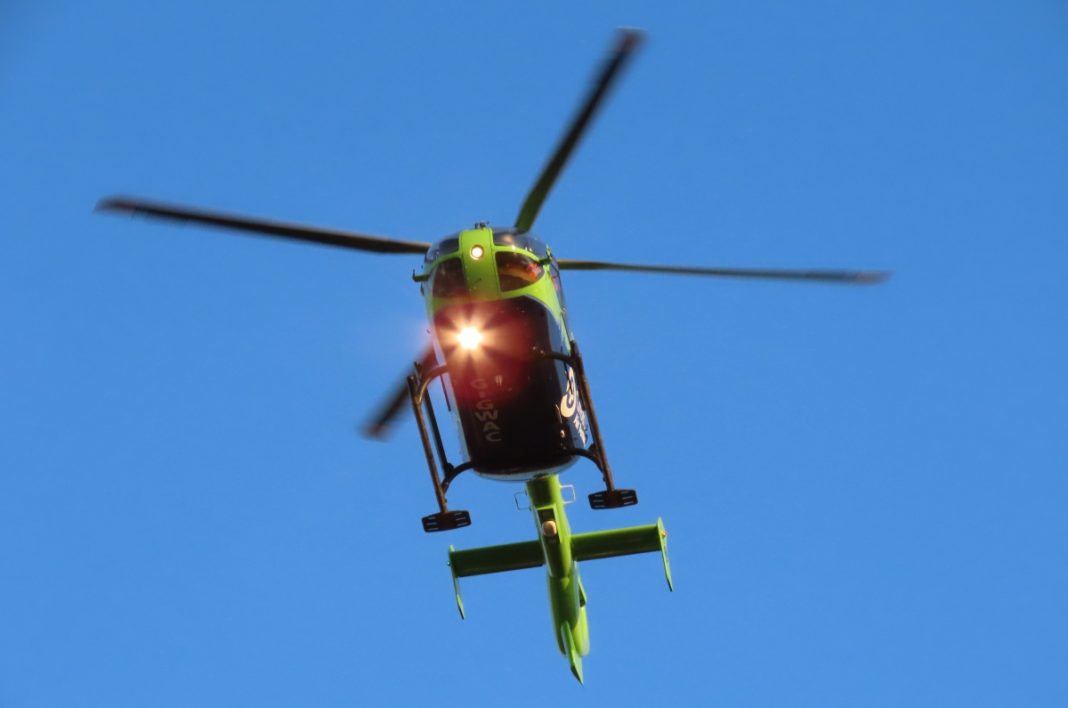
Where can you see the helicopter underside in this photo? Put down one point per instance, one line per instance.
(517, 409)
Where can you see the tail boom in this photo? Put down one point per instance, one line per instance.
(559, 551)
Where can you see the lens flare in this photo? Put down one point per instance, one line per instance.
(469, 338)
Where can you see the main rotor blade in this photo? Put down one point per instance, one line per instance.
(627, 42)
(314, 234)
(396, 403)
(845, 277)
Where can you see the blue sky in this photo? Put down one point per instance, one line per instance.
(864, 487)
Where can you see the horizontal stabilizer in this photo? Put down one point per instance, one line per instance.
(623, 542)
(496, 559)
(491, 559)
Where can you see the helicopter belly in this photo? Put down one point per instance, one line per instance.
(518, 411)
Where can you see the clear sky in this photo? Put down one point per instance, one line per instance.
(865, 487)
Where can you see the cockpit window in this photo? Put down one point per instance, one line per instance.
(448, 279)
(442, 248)
(511, 238)
(516, 270)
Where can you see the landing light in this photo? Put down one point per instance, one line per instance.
(477, 252)
(469, 338)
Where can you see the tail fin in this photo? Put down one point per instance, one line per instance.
(573, 656)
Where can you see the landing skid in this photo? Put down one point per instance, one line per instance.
(613, 499)
(610, 497)
(444, 520)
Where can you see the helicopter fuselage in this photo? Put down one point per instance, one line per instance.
(496, 309)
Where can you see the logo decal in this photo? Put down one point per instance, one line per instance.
(569, 401)
(487, 412)
(571, 408)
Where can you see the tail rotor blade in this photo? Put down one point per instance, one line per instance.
(313, 234)
(845, 277)
(627, 42)
(395, 403)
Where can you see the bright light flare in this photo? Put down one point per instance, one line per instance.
(477, 252)
(469, 338)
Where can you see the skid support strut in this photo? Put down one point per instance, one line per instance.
(444, 519)
(611, 497)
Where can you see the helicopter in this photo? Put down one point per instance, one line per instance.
(511, 372)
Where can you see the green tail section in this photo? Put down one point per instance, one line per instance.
(559, 551)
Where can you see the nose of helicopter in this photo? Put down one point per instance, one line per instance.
(476, 250)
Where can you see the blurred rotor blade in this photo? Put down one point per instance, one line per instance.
(846, 277)
(330, 237)
(627, 41)
(396, 403)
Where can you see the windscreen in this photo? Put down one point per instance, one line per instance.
(516, 270)
(447, 279)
